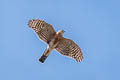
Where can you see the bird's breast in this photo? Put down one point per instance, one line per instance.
(53, 43)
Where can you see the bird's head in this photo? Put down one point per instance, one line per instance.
(60, 32)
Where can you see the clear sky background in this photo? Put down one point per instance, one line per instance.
(93, 24)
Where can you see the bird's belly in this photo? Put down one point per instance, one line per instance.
(53, 43)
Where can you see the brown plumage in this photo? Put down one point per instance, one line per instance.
(55, 40)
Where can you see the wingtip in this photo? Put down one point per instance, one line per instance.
(80, 59)
(30, 23)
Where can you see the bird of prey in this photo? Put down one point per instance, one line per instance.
(55, 40)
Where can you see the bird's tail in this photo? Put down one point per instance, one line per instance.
(45, 55)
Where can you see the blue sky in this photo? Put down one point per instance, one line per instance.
(93, 24)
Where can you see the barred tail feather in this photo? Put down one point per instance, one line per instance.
(45, 55)
(43, 58)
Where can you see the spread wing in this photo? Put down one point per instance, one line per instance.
(68, 48)
(44, 30)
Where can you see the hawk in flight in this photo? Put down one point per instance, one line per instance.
(55, 40)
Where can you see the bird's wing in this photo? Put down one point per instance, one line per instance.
(44, 30)
(68, 48)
